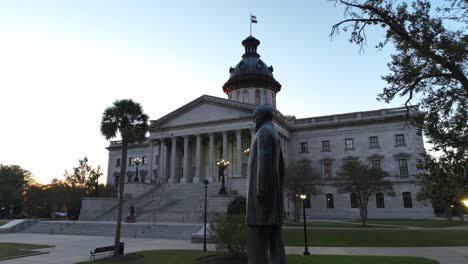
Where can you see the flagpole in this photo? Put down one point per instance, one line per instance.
(250, 19)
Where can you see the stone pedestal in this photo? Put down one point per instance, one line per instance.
(130, 219)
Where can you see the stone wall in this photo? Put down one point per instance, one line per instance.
(91, 207)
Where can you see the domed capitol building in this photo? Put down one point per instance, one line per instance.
(165, 173)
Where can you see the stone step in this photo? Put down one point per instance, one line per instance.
(170, 202)
(161, 231)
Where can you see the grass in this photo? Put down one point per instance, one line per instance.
(16, 249)
(2, 222)
(323, 224)
(428, 223)
(191, 256)
(376, 238)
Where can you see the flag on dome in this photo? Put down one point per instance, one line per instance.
(253, 19)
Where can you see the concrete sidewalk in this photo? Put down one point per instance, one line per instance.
(73, 249)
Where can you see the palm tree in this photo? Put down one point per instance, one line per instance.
(126, 118)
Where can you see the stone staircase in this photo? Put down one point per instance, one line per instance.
(173, 203)
(107, 229)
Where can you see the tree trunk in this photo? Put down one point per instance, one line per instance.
(123, 168)
(461, 213)
(53, 210)
(363, 212)
(297, 210)
(449, 214)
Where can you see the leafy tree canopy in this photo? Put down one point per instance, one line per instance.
(301, 178)
(430, 61)
(364, 182)
(14, 181)
(441, 180)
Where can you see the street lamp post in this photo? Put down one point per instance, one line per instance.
(222, 164)
(137, 162)
(205, 182)
(306, 250)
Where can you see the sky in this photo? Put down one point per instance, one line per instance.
(63, 62)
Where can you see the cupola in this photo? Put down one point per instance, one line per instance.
(252, 81)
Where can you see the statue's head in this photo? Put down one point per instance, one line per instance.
(262, 114)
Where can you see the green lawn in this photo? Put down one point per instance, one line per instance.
(324, 224)
(2, 222)
(376, 238)
(16, 249)
(429, 223)
(191, 256)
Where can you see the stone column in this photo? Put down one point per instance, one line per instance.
(225, 153)
(225, 146)
(149, 168)
(157, 166)
(211, 161)
(239, 153)
(172, 178)
(186, 170)
(196, 179)
(163, 162)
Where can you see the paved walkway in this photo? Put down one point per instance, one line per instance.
(73, 249)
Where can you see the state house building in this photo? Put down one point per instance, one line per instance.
(184, 145)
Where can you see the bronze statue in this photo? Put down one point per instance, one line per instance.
(264, 199)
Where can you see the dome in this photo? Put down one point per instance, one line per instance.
(251, 71)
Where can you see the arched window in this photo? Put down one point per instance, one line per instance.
(245, 96)
(265, 97)
(407, 203)
(257, 96)
(354, 200)
(330, 202)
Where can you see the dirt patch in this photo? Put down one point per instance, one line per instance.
(222, 259)
(123, 258)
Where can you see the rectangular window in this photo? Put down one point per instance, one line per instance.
(131, 161)
(379, 197)
(403, 166)
(156, 160)
(407, 203)
(354, 200)
(327, 170)
(326, 146)
(399, 139)
(374, 142)
(144, 160)
(349, 143)
(330, 202)
(117, 163)
(304, 147)
(375, 164)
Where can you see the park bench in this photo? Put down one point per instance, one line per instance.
(102, 250)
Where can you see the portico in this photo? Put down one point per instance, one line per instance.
(191, 158)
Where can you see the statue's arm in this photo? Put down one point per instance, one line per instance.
(264, 163)
(281, 171)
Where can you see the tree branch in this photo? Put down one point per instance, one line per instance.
(336, 26)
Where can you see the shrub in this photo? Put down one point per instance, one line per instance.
(230, 235)
(237, 206)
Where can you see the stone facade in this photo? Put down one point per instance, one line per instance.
(184, 145)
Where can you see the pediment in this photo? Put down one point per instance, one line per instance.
(205, 109)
